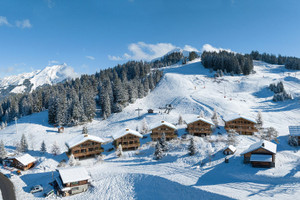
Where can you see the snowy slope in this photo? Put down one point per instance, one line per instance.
(30, 81)
(190, 88)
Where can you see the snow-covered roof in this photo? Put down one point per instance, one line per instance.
(25, 159)
(127, 131)
(73, 174)
(229, 118)
(261, 158)
(200, 119)
(267, 145)
(231, 148)
(294, 130)
(163, 123)
(83, 138)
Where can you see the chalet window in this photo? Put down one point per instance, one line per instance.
(92, 143)
(77, 151)
(96, 148)
(74, 183)
(125, 143)
(131, 142)
(91, 149)
(136, 141)
(83, 150)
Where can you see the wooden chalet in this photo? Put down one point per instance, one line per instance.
(128, 139)
(23, 162)
(242, 125)
(85, 145)
(150, 110)
(295, 133)
(72, 181)
(163, 127)
(261, 154)
(229, 150)
(60, 129)
(200, 127)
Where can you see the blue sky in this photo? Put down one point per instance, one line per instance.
(90, 35)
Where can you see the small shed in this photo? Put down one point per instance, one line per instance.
(150, 110)
(60, 129)
(24, 162)
(229, 150)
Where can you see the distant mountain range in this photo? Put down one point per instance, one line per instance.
(27, 82)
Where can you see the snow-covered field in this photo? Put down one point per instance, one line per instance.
(190, 89)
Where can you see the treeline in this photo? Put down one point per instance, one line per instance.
(75, 101)
(227, 62)
(289, 61)
(167, 60)
(280, 93)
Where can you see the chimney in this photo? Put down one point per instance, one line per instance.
(85, 135)
(127, 129)
(263, 144)
(198, 117)
(162, 121)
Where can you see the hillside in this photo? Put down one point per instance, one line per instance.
(27, 82)
(190, 89)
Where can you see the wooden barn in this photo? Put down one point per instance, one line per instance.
(129, 139)
(242, 125)
(150, 110)
(200, 127)
(72, 181)
(295, 133)
(24, 162)
(261, 154)
(163, 127)
(229, 150)
(85, 145)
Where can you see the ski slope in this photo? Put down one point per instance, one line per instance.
(190, 89)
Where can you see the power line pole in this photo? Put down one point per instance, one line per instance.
(138, 110)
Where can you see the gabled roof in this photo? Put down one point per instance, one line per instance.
(163, 123)
(127, 131)
(232, 117)
(231, 148)
(25, 159)
(200, 119)
(73, 174)
(294, 130)
(83, 138)
(261, 158)
(267, 145)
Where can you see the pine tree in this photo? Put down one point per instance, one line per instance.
(43, 147)
(163, 143)
(192, 147)
(72, 161)
(23, 144)
(201, 114)
(84, 130)
(259, 121)
(270, 134)
(119, 151)
(144, 127)
(231, 139)
(180, 120)
(55, 149)
(3, 152)
(158, 154)
(215, 117)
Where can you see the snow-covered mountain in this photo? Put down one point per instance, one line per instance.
(27, 82)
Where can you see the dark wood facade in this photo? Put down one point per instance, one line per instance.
(157, 133)
(88, 148)
(261, 151)
(199, 128)
(128, 142)
(241, 126)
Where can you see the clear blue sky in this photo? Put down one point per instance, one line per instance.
(90, 35)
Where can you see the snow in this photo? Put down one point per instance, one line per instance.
(1, 198)
(267, 145)
(83, 138)
(127, 131)
(73, 174)
(232, 117)
(200, 119)
(136, 175)
(162, 122)
(26, 159)
(261, 158)
(294, 130)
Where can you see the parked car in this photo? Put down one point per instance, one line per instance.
(36, 188)
(50, 193)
